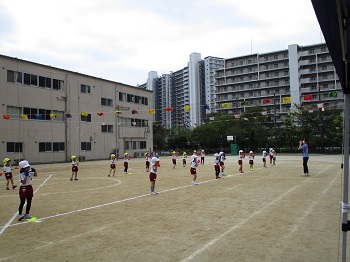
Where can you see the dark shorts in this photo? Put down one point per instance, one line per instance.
(74, 168)
(26, 191)
(8, 175)
(217, 167)
(222, 164)
(174, 161)
(152, 176)
(112, 166)
(147, 163)
(184, 161)
(240, 162)
(264, 160)
(126, 164)
(193, 171)
(251, 162)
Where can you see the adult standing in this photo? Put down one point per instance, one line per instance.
(304, 145)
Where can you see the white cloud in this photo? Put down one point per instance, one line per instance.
(123, 40)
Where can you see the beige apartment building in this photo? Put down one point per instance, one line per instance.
(49, 114)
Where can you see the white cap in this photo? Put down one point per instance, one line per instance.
(251, 152)
(193, 156)
(24, 164)
(240, 151)
(154, 160)
(216, 154)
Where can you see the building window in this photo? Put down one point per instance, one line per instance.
(323, 49)
(14, 147)
(107, 128)
(86, 146)
(267, 83)
(325, 86)
(324, 77)
(277, 83)
(106, 102)
(45, 147)
(85, 89)
(312, 60)
(14, 112)
(85, 118)
(58, 146)
(324, 67)
(33, 80)
(266, 67)
(26, 79)
(275, 57)
(130, 98)
(311, 51)
(122, 96)
(59, 85)
(249, 61)
(275, 65)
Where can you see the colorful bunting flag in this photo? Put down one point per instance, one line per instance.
(84, 113)
(225, 105)
(151, 111)
(53, 115)
(168, 109)
(39, 117)
(100, 113)
(187, 108)
(286, 100)
(24, 116)
(134, 112)
(206, 107)
(307, 97)
(266, 101)
(333, 94)
(244, 103)
(68, 115)
(6, 116)
(117, 112)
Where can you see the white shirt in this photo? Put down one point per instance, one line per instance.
(113, 160)
(7, 169)
(74, 163)
(240, 157)
(29, 178)
(194, 164)
(126, 159)
(264, 154)
(153, 169)
(251, 157)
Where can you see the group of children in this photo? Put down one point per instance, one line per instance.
(152, 163)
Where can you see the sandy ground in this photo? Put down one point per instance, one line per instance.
(269, 214)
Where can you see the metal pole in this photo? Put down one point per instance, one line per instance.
(346, 169)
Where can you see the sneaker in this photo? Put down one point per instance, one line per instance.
(242, 172)
(218, 177)
(27, 216)
(109, 175)
(7, 188)
(71, 179)
(14, 186)
(76, 179)
(154, 193)
(20, 217)
(223, 174)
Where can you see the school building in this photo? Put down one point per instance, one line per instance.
(49, 114)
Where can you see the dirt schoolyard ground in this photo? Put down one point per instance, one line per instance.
(269, 214)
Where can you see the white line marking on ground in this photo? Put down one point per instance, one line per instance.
(3, 228)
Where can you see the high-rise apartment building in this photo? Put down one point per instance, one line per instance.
(49, 114)
(189, 92)
(276, 81)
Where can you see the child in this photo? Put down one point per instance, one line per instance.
(75, 164)
(251, 160)
(26, 189)
(126, 163)
(8, 174)
(153, 175)
(174, 159)
(217, 165)
(240, 161)
(193, 170)
(264, 155)
(202, 157)
(112, 165)
(184, 156)
(274, 157)
(222, 158)
(148, 159)
(271, 155)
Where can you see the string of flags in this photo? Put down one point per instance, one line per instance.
(86, 114)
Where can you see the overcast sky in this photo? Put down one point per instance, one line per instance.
(122, 40)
